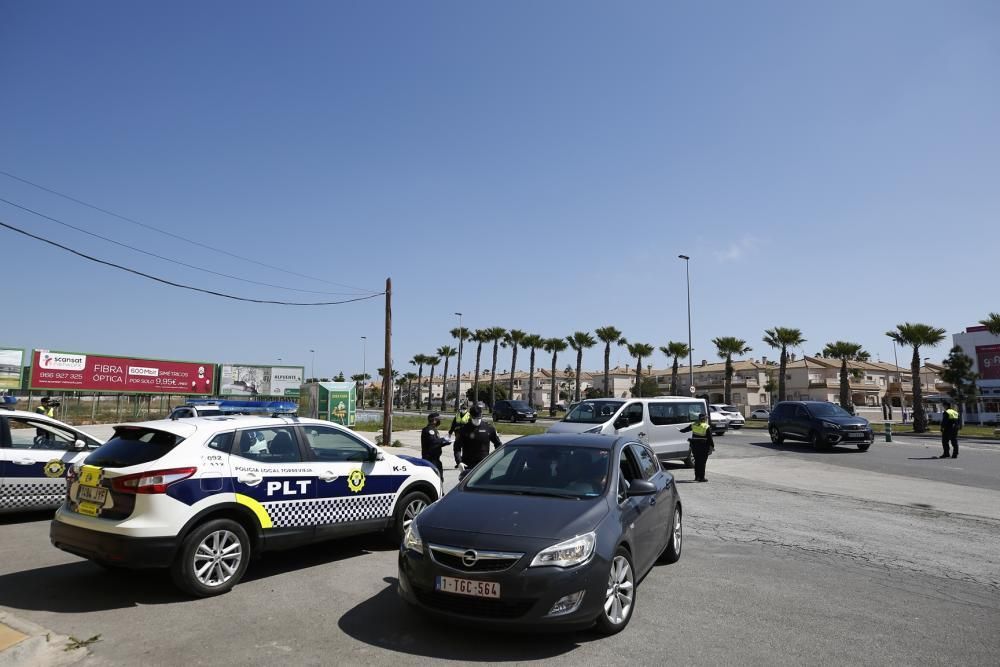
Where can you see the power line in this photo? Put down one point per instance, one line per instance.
(166, 259)
(172, 235)
(181, 285)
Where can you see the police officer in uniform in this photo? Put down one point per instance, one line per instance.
(949, 430)
(476, 437)
(701, 445)
(431, 442)
(45, 408)
(460, 420)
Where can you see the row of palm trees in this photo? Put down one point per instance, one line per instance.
(783, 339)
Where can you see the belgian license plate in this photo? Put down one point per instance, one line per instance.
(856, 436)
(478, 589)
(93, 494)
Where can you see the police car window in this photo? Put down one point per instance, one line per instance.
(269, 445)
(647, 462)
(133, 445)
(330, 444)
(32, 434)
(222, 442)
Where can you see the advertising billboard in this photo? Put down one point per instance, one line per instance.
(75, 371)
(988, 359)
(256, 380)
(11, 366)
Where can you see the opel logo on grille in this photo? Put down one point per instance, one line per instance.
(469, 558)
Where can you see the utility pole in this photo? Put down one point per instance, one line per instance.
(687, 271)
(386, 388)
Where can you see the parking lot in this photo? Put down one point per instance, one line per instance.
(791, 557)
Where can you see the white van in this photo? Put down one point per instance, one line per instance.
(656, 422)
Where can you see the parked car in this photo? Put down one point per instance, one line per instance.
(514, 411)
(821, 424)
(551, 531)
(731, 413)
(760, 413)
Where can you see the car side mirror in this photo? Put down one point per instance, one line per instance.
(641, 487)
(621, 422)
(79, 444)
(375, 455)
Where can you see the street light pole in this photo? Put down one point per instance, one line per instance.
(313, 366)
(687, 271)
(458, 372)
(364, 368)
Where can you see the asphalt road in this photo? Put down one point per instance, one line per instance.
(779, 568)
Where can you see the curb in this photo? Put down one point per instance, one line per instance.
(32, 644)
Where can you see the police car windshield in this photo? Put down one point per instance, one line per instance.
(593, 412)
(562, 471)
(132, 446)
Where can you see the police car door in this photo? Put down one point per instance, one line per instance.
(357, 486)
(35, 455)
(270, 469)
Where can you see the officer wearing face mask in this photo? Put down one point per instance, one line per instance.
(476, 437)
(431, 442)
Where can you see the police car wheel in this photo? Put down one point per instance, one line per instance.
(407, 509)
(212, 559)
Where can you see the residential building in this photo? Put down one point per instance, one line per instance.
(749, 382)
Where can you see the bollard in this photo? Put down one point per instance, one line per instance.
(888, 432)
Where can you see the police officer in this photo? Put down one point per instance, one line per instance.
(476, 437)
(701, 445)
(949, 430)
(460, 419)
(45, 408)
(431, 442)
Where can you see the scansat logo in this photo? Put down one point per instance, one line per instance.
(58, 361)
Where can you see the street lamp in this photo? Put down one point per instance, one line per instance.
(458, 372)
(313, 367)
(364, 369)
(687, 271)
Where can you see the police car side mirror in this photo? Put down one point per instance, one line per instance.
(375, 455)
(79, 444)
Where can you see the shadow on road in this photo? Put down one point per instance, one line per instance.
(924, 458)
(385, 621)
(803, 447)
(26, 517)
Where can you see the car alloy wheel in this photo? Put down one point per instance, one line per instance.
(675, 540)
(413, 508)
(217, 558)
(776, 437)
(621, 588)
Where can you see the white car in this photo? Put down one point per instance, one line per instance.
(202, 497)
(730, 413)
(760, 413)
(35, 453)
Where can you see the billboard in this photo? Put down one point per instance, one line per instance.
(74, 371)
(254, 380)
(11, 366)
(988, 359)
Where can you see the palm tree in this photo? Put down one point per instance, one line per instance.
(639, 351)
(532, 342)
(359, 382)
(782, 338)
(494, 335)
(515, 339)
(431, 361)
(553, 346)
(917, 336)
(461, 335)
(386, 382)
(728, 346)
(992, 323)
(410, 377)
(609, 336)
(479, 336)
(419, 360)
(846, 352)
(400, 383)
(446, 352)
(675, 350)
(580, 341)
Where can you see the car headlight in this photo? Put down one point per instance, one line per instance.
(831, 425)
(567, 554)
(411, 539)
(596, 429)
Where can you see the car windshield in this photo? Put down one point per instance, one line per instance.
(561, 471)
(828, 410)
(593, 412)
(132, 446)
(730, 408)
(519, 405)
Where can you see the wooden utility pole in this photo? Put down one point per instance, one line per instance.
(387, 369)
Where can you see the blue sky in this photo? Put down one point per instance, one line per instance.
(829, 166)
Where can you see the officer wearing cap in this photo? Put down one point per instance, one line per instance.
(476, 437)
(950, 423)
(460, 420)
(701, 445)
(45, 408)
(431, 442)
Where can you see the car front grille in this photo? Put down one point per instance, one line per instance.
(472, 606)
(855, 427)
(485, 561)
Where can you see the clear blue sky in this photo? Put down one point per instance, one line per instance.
(829, 166)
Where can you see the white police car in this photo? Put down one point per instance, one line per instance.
(203, 495)
(35, 453)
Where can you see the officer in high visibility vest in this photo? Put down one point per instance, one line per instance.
(950, 423)
(702, 445)
(460, 420)
(45, 408)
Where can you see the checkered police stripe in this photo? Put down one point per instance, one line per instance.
(29, 496)
(329, 510)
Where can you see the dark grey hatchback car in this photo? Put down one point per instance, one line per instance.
(550, 531)
(820, 424)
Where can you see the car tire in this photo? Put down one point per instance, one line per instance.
(222, 540)
(407, 509)
(863, 446)
(675, 539)
(776, 436)
(816, 442)
(621, 587)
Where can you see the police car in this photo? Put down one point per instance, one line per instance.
(203, 495)
(35, 453)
